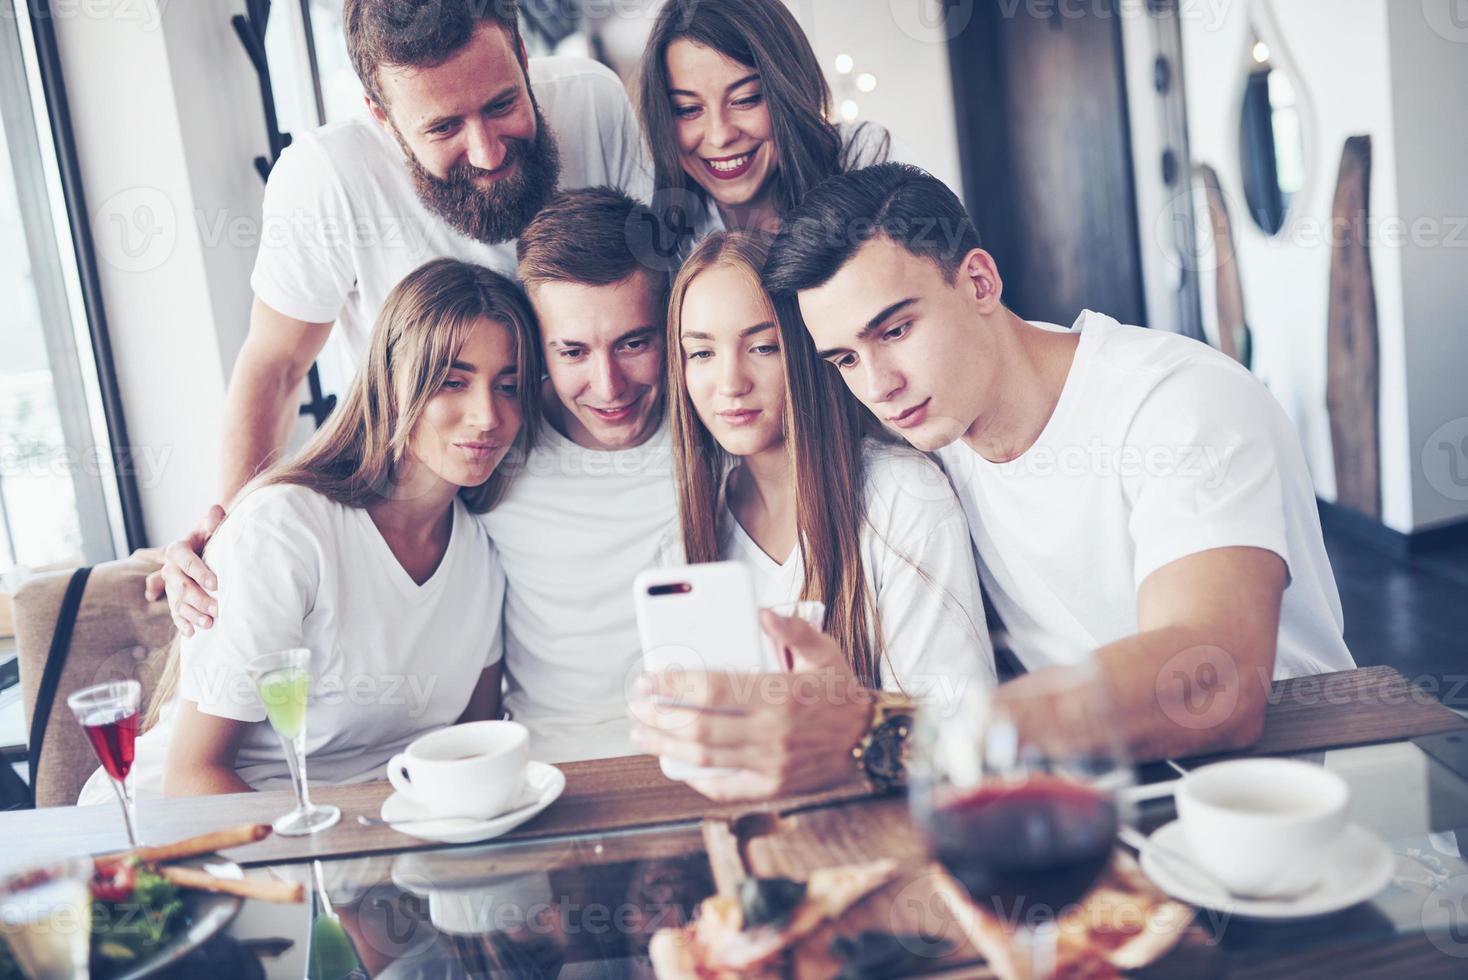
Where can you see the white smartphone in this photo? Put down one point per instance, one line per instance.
(700, 618)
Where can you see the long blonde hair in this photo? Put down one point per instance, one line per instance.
(354, 458)
(830, 505)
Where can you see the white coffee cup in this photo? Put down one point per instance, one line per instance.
(1266, 828)
(476, 769)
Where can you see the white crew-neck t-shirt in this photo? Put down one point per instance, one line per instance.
(919, 567)
(393, 660)
(342, 223)
(1159, 448)
(575, 528)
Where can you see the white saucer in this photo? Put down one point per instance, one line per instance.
(543, 783)
(1361, 867)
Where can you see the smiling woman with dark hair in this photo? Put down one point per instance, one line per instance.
(737, 116)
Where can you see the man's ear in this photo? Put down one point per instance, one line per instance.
(981, 275)
(378, 112)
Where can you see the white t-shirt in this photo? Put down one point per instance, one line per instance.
(342, 223)
(575, 528)
(1159, 447)
(393, 659)
(918, 565)
(862, 145)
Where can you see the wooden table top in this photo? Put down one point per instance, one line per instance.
(1370, 705)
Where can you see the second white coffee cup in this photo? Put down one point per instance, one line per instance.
(1266, 828)
(476, 769)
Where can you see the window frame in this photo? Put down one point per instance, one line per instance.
(74, 318)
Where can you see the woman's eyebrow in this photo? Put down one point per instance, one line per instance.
(746, 332)
(751, 77)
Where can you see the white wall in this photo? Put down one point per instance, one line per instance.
(1429, 58)
(1161, 264)
(1340, 61)
(164, 136)
(905, 45)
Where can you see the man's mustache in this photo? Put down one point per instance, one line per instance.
(465, 173)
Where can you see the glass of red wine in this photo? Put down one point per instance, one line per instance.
(108, 713)
(1016, 789)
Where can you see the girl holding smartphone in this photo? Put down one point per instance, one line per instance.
(778, 467)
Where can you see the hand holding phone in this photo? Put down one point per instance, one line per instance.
(698, 619)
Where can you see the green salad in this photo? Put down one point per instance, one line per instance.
(135, 910)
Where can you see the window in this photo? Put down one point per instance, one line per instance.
(59, 501)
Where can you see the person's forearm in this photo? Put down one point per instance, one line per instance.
(1174, 693)
(259, 411)
(204, 781)
(1178, 694)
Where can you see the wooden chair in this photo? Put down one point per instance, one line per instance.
(118, 635)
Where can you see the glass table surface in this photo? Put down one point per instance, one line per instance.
(585, 906)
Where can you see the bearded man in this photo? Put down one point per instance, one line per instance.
(464, 140)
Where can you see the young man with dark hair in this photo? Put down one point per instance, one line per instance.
(1131, 493)
(464, 140)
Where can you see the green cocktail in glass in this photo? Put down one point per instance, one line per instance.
(283, 692)
(332, 955)
(283, 682)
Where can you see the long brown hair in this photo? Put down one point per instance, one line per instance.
(763, 35)
(830, 507)
(423, 324)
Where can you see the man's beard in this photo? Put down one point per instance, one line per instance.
(500, 212)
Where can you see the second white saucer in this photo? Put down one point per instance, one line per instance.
(1361, 867)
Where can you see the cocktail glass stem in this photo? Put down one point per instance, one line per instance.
(307, 817)
(1035, 950)
(124, 788)
(295, 757)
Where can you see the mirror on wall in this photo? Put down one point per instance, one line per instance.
(1271, 138)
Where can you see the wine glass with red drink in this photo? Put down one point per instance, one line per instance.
(1016, 790)
(108, 713)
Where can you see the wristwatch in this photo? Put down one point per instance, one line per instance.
(881, 755)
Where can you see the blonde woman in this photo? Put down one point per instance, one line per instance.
(364, 549)
(779, 468)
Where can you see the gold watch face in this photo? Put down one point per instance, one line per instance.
(883, 759)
